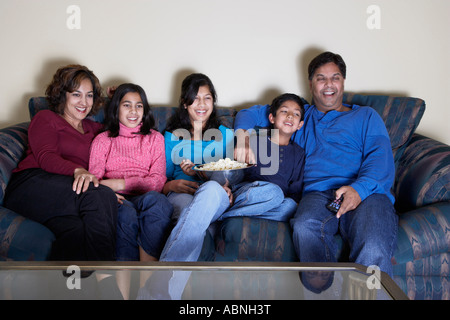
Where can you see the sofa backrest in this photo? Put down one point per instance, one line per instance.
(401, 115)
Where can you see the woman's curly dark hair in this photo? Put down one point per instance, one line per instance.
(68, 79)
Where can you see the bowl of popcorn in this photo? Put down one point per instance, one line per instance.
(222, 171)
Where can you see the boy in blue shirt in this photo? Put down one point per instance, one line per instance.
(279, 162)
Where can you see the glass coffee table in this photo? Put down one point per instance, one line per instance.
(202, 281)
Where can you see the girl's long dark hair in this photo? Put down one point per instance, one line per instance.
(189, 90)
(112, 110)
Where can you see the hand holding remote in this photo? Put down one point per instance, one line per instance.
(347, 198)
(335, 205)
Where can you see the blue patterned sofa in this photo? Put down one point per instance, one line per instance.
(422, 190)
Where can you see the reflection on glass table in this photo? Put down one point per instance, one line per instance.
(194, 281)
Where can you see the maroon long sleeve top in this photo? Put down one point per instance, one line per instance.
(55, 146)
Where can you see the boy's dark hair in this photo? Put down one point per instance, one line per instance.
(324, 58)
(278, 101)
(112, 110)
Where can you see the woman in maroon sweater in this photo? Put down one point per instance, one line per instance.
(52, 186)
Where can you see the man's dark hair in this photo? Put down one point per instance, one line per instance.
(324, 58)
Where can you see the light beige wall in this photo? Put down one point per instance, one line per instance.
(251, 49)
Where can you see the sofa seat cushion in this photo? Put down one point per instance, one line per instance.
(252, 239)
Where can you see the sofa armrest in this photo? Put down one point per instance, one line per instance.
(423, 174)
(22, 239)
(13, 143)
(423, 233)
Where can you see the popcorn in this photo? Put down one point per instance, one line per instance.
(223, 164)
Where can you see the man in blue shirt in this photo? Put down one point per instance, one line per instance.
(348, 154)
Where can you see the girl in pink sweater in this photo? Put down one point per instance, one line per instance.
(129, 157)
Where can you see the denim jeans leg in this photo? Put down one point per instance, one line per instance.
(127, 248)
(186, 239)
(314, 227)
(371, 230)
(285, 211)
(154, 218)
(260, 199)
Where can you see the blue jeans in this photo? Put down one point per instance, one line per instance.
(197, 212)
(370, 230)
(143, 221)
(210, 202)
(260, 199)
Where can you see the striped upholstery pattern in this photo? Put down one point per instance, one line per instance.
(401, 116)
(422, 189)
(424, 233)
(423, 174)
(424, 287)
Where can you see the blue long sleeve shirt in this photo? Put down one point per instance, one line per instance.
(342, 148)
(198, 151)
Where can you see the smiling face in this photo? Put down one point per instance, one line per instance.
(79, 102)
(287, 119)
(131, 110)
(202, 107)
(327, 88)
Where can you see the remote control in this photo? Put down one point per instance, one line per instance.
(334, 205)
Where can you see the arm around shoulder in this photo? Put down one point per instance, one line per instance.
(255, 116)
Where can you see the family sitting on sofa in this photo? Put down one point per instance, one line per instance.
(124, 191)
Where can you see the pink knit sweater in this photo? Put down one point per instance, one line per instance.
(138, 159)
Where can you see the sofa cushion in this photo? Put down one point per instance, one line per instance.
(401, 115)
(251, 239)
(423, 174)
(423, 233)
